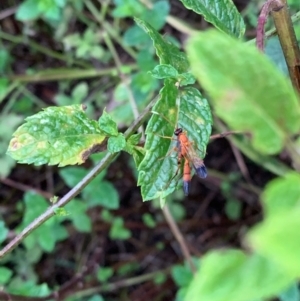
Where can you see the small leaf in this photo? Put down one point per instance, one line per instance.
(47, 240)
(78, 215)
(57, 135)
(148, 220)
(102, 194)
(28, 10)
(157, 15)
(118, 231)
(96, 298)
(233, 209)
(229, 77)
(233, 275)
(61, 212)
(181, 275)
(82, 223)
(164, 71)
(5, 275)
(135, 36)
(80, 92)
(290, 294)
(277, 237)
(104, 273)
(116, 144)
(221, 13)
(107, 124)
(134, 139)
(3, 232)
(185, 79)
(5, 59)
(167, 52)
(282, 194)
(138, 154)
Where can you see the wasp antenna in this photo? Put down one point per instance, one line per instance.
(201, 171)
(162, 116)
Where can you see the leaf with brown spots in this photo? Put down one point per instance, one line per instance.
(57, 135)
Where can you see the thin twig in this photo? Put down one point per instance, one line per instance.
(288, 41)
(179, 237)
(7, 12)
(273, 31)
(110, 30)
(223, 135)
(72, 73)
(124, 78)
(24, 187)
(241, 162)
(262, 19)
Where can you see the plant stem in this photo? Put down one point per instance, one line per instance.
(110, 30)
(40, 48)
(273, 30)
(262, 19)
(179, 237)
(58, 74)
(77, 189)
(288, 43)
(124, 78)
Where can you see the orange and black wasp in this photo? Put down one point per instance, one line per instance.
(187, 153)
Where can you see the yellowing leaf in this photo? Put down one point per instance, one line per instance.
(57, 135)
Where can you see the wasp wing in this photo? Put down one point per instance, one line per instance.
(196, 161)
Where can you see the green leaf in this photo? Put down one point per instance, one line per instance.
(277, 238)
(157, 170)
(291, 294)
(233, 209)
(185, 79)
(104, 273)
(235, 276)
(53, 13)
(28, 10)
(135, 36)
(138, 154)
(96, 298)
(47, 240)
(164, 71)
(47, 234)
(57, 135)
(118, 231)
(61, 212)
(80, 92)
(221, 13)
(101, 194)
(4, 88)
(134, 139)
(167, 52)
(148, 220)
(116, 144)
(282, 194)
(156, 17)
(127, 8)
(5, 59)
(5, 275)
(72, 175)
(107, 124)
(182, 275)
(229, 76)
(3, 232)
(78, 216)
